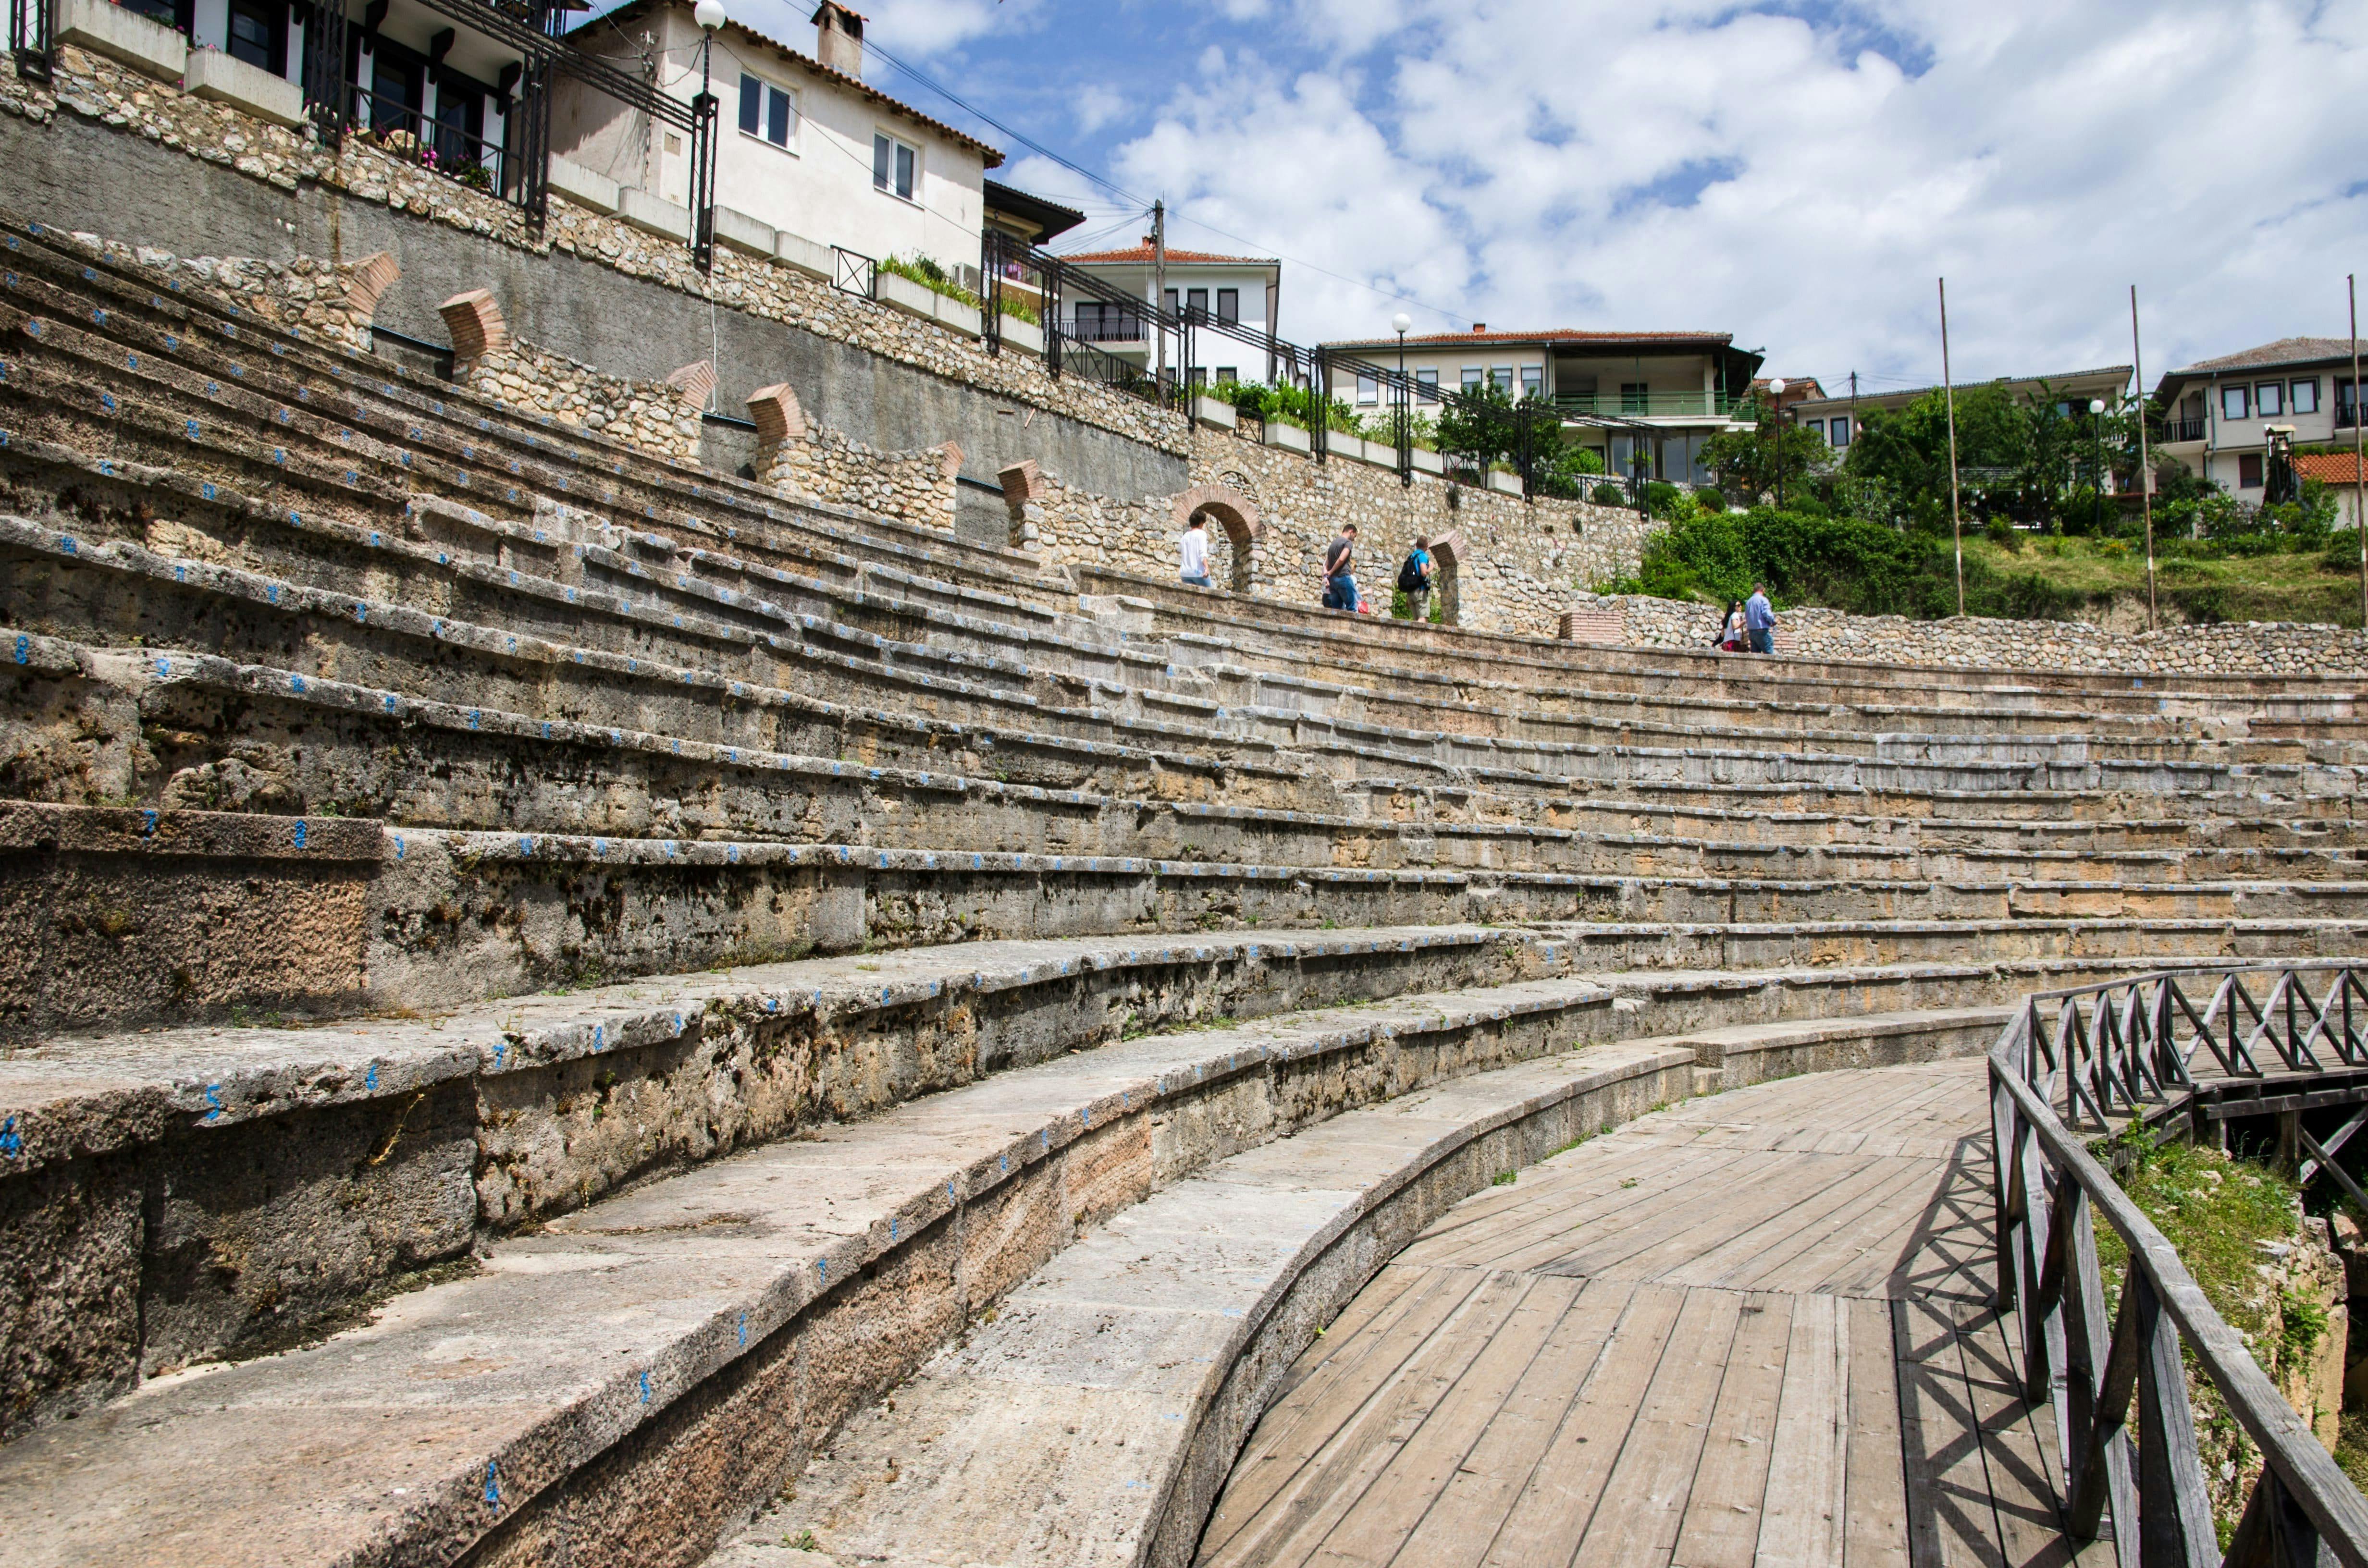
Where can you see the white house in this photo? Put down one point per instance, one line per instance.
(2216, 412)
(804, 146)
(1228, 287)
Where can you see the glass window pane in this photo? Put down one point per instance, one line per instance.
(1472, 376)
(1229, 304)
(1426, 385)
(1814, 427)
(2306, 396)
(1533, 381)
(2236, 402)
(776, 117)
(1368, 389)
(752, 103)
(1198, 299)
(2270, 399)
(1841, 431)
(1228, 375)
(904, 171)
(883, 156)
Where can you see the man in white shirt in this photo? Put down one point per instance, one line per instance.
(1196, 554)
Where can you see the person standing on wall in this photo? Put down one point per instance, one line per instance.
(1760, 620)
(1414, 580)
(1339, 561)
(1195, 551)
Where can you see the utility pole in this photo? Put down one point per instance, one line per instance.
(2359, 413)
(1159, 287)
(2146, 466)
(1949, 397)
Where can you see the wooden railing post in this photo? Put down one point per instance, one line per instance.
(2174, 1504)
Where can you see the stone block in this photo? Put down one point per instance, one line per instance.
(743, 232)
(653, 214)
(594, 193)
(1023, 483)
(475, 323)
(1290, 437)
(1213, 412)
(141, 42)
(777, 415)
(250, 89)
(899, 292)
(1017, 334)
(695, 383)
(801, 255)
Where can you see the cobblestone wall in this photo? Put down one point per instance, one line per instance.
(1515, 561)
(2243, 648)
(102, 90)
(824, 465)
(651, 415)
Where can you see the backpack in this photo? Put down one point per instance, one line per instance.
(1410, 577)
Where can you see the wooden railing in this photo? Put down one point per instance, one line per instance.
(2116, 1048)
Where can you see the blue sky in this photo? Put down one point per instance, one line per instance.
(1797, 173)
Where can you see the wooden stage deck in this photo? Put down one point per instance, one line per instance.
(1751, 1329)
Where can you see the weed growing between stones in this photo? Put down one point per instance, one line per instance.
(1505, 1178)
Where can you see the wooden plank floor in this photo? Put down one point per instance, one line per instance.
(1751, 1330)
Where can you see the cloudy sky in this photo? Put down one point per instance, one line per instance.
(1797, 173)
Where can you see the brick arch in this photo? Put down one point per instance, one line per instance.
(1235, 512)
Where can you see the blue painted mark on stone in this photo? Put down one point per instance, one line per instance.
(213, 1101)
(646, 1388)
(389, 700)
(192, 427)
(493, 1485)
(822, 1267)
(472, 718)
(526, 844)
(300, 833)
(24, 650)
(398, 838)
(744, 1331)
(12, 1142)
(147, 821)
(501, 1052)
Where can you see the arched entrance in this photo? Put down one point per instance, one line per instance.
(1447, 555)
(1236, 530)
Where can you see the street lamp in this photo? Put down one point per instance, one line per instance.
(710, 15)
(1776, 392)
(2097, 471)
(1402, 324)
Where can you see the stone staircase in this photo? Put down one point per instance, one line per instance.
(547, 979)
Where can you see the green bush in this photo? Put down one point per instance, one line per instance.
(1610, 494)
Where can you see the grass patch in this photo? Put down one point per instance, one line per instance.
(2196, 580)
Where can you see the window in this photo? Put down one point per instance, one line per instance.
(1634, 397)
(1501, 378)
(2236, 402)
(1368, 389)
(258, 34)
(1197, 376)
(2306, 396)
(1533, 381)
(1838, 430)
(1814, 427)
(893, 165)
(1472, 376)
(2249, 471)
(1229, 304)
(1227, 375)
(1175, 301)
(2270, 399)
(1197, 300)
(398, 86)
(459, 126)
(769, 112)
(1426, 386)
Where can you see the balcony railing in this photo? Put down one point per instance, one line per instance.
(2347, 416)
(1105, 329)
(2183, 429)
(434, 144)
(1651, 405)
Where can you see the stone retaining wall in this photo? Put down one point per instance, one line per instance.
(651, 415)
(2240, 648)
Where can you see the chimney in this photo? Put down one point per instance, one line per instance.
(1479, 326)
(838, 38)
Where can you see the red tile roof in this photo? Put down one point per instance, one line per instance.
(1552, 335)
(2328, 468)
(1141, 254)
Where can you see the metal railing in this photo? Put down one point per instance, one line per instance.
(435, 146)
(2129, 1044)
(1651, 405)
(2184, 429)
(1107, 328)
(852, 272)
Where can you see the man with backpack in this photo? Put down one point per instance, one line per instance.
(1414, 580)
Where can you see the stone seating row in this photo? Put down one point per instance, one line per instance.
(626, 462)
(1912, 761)
(725, 624)
(632, 1373)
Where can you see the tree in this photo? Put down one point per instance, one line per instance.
(1762, 458)
(1485, 424)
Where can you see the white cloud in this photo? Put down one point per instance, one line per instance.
(923, 27)
(1797, 179)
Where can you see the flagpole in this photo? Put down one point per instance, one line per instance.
(1949, 397)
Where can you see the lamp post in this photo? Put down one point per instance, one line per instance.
(710, 15)
(2097, 470)
(1776, 397)
(1402, 324)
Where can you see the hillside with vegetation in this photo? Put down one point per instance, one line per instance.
(1871, 534)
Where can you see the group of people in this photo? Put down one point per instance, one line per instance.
(1416, 576)
(1749, 625)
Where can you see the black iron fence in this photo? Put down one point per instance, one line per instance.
(2124, 1424)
